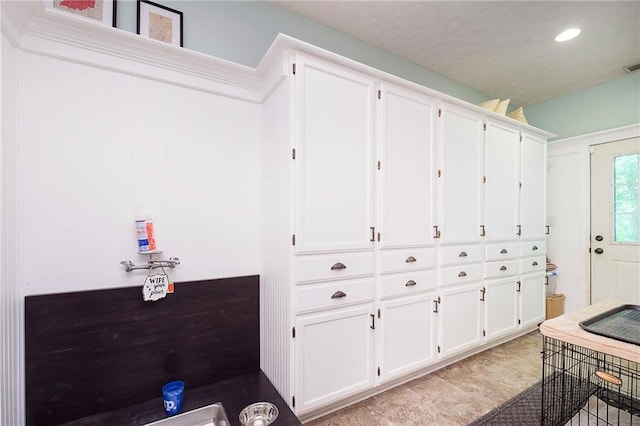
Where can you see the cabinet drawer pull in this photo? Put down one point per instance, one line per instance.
(338, 266)
(482, 293)
(534, 248)
(534, 264)
(410, 259)
(462, 274)
(504, 251)
(338, 295)
(410, 283)
(503, 268)
(463, 254)
(373, 322)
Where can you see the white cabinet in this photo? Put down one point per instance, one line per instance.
(381, 257)
(533, 168)
(334, 354)
(406, 122)
(502, 181)
(407, 331)
(334, 157)
(532, 299)
(460, 187)
(500, 304)
(459, 318)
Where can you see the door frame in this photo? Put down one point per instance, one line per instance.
(580, 147)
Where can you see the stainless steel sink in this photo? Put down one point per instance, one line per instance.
(211, 415)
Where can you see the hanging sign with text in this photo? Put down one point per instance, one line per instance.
(156, 287)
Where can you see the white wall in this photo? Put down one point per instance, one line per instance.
(568, 239)
(95, 143)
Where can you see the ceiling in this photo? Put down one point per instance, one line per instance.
(504, 49)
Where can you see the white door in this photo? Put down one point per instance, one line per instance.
(334, 157)
(407, 335)
(407, 132)
(502, 180)
(460, 187)
(500, 306)
(615, 221)
(334, 356)
(460, 318)
(533, 170)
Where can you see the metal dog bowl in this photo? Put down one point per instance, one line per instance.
(259, 414)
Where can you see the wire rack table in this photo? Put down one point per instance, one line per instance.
(588, 379)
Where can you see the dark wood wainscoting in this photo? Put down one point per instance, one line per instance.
(90, 352)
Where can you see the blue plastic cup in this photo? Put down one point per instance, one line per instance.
(172, 394)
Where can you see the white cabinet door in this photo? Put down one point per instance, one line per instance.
(502, 185)
(533, 168)
(460, 318)
(532, 299)
(334, 157)
(500, 307)
(461, 159)
(407, 133)
(407, 335)
(334, 356)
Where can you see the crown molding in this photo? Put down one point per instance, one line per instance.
(58, 35)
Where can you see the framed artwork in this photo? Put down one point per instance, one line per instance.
(103, 11)
(159, 22)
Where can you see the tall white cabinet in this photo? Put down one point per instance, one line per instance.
(334, 149)
(406, 255)
(399, 228)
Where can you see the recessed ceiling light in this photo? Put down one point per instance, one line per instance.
(567, 34)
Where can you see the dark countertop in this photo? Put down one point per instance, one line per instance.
(234, 394)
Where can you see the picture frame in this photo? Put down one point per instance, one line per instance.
(101, 11)
(159, 22)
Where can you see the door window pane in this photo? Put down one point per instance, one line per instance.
(626, 171)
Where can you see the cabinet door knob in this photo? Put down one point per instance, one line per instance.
(410, 283)
(463, 254)
(410, 259)
(503, 268)
(338, 295)
(338, 266)
(504, 251)
(462, 274)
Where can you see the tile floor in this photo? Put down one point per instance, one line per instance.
(454, 395)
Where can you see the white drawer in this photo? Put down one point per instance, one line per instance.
(499, 251)
(333, 294)
(333, 266)
(533, 248)
(460, 274)
(408, 259)
(409, 283)
(501, 268)
(533, 264)
(453, 255)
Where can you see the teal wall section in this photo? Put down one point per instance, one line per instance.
(242, 31)
(609, 105)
